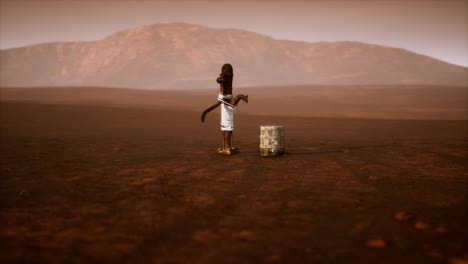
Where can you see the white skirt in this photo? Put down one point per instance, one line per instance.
(227, 118)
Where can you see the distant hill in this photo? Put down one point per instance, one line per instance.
(173, 56)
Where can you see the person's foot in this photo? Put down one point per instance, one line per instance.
(224, 151)
(234, 150)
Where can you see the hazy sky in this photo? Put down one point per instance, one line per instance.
(435, 28)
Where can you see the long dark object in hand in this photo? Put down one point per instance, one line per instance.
(209, 110)
(235, 101)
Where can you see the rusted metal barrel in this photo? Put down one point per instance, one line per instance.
(271, 140)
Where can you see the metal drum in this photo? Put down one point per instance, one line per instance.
(271, 140)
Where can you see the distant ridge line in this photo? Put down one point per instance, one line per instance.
(186, 56)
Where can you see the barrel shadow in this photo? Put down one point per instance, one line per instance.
(343, 149)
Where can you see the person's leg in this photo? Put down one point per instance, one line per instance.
(233, 149)
(226, 147)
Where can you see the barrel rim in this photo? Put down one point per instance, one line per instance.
(271, 126)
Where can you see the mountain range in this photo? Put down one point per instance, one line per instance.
(185, 56)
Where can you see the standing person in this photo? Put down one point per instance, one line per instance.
(228, 105)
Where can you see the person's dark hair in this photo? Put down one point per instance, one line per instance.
(227, 70)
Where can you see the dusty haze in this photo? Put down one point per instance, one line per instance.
(185, 56)
(434, 28)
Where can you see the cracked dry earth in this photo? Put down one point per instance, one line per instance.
(86, 184)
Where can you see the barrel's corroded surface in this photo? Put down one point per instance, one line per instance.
(271, 140)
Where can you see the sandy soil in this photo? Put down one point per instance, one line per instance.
(110, 181)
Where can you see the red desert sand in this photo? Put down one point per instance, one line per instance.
(113, 175)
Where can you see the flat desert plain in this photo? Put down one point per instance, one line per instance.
(371, 175)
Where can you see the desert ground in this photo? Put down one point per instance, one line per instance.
(101, 175)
